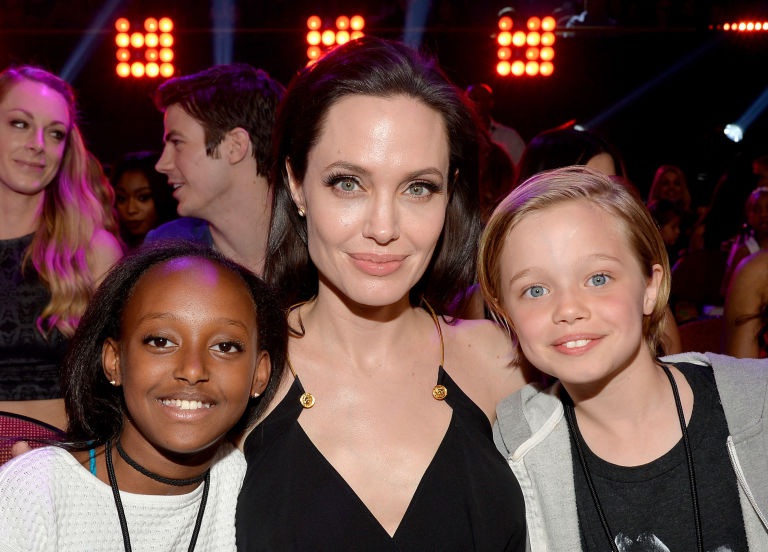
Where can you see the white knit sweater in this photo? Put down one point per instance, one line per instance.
(48, 501)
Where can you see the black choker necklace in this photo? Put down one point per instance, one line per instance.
(573, 429)
(119, 503)
(152, 475)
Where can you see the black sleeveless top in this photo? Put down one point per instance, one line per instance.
(293, 499)
(29, 362)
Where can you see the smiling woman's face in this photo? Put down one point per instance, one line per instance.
(375, 195)
(34, 123)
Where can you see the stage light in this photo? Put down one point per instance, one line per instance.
(320, 39)
(167, 70)
(357, 23)
(503, 68)
(532, 68)
(122, 25)
(137, 69)
(546, 68)
(734, 133)
(342, 22)
(137, 40)
(342, 37)
(166, 54)
(744, 26)
(135, 48)
(526, 51)
(533, 39)
(328, 38)
(165, 25)
(123, 69)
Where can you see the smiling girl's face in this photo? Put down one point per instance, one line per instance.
(575, 292)
(187, 358)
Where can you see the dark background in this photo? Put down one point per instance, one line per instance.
(698, 79)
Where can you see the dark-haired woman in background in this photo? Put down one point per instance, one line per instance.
(143, 198)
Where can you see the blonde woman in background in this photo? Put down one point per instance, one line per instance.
(53, 246)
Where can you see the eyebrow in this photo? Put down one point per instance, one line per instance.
(172, 134)
(346, 166)
(171, 316)
(595, 257)
(31, 116)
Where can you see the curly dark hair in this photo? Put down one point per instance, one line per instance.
(94, 407)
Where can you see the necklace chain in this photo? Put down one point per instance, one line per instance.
(573, 429)
(157, 477)
(119, 502)
(307, 399)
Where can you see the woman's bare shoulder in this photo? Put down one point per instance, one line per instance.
(483, 360)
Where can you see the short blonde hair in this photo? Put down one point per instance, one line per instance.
(554, 187)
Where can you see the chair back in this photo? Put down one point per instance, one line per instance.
(16, 427)
(702, 335)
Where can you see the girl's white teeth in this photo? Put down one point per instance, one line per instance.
(577, 343)
(185, 404)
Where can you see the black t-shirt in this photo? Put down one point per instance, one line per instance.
(649, 507)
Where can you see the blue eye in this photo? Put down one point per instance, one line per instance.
(536, 291)
(598, 279)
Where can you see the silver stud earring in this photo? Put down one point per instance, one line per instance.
(301, 212)
(113, 382)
